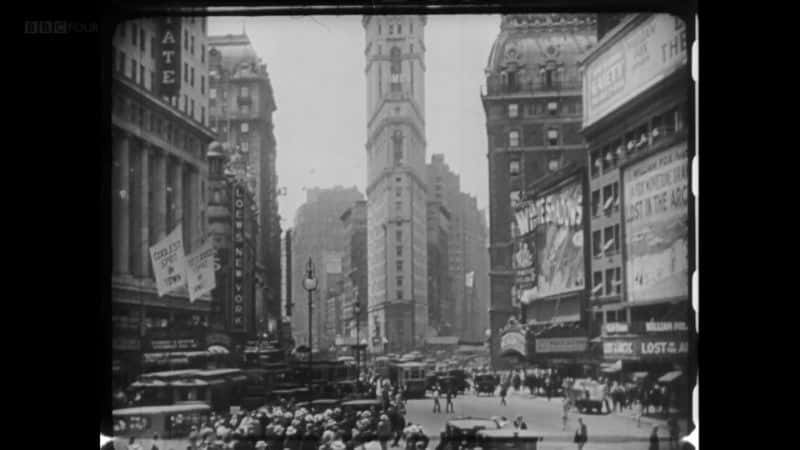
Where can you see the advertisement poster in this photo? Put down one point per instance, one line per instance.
(562, 345)
(656, 208)
(549, 256)
(169, 262)
(200, 271)
(651, 51)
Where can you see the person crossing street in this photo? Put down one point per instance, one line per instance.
(437, 407)
(448, 408)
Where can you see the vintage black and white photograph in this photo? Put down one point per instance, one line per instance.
(402, 231)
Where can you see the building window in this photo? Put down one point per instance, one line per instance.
(399, 250)
(398, 180)
(398, 192)
(379, 28)
(552, 136)
(617, 281)
(152, 80)
(398, 206)
(192, 46)
(411, 27)
(202, 84)
(391, 29)
(552, 107)
(185, 105)
(597, 285)
(512, 110)
(191, 81)
(142, 42)
(134, 34)
(513, 167)
(399, 281)
(121, 62)
(203, 115)
(244, 146)
(399, 235)
(597, 164)
(595, 203)
(609, 281)
(244, 91)
(245, 127)
(399, 29)
(186, 39)
(611, 243)
(513, 139)
(597, 244)
(202, 53)
(134, 65)
(212, 93)
(399, 295)
(191, 110)
(411, 50)
(399, 266)
(142, 75)
(246, 109)
(186, 72)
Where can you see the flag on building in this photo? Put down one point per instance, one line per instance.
(169, 262)
(470, 279)
(200, 271)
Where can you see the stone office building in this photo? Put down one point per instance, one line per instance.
(533, 120)
(241, 104)
(158, 173)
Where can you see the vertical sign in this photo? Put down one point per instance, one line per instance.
(238, 295)
(168, 64)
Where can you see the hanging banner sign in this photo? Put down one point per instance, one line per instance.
(562, 345)
(169, 262)
(200, 271)
(168, 61)
(238, 295)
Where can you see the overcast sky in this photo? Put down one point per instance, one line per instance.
(316, 65)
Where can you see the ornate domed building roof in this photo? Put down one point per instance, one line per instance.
(530, 45)
(235, 51)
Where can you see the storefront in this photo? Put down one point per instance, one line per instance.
(563, 347)
(651, 354)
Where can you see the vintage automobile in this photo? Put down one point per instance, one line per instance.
(507, 439)
(462, 432)
(485, 383)
(587, 395)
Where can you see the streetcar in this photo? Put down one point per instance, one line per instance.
(411, 376)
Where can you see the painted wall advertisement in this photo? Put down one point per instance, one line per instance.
(645, 347)
(169, 56)
(650, 52)
(549, 256)
(656, 208)
(238, 295)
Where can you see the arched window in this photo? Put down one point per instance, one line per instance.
(397, 140)
(395, 67)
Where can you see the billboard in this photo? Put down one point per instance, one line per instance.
(645, 347)
(648, 53)
(549, 256)
(656, 212)
(562, 345)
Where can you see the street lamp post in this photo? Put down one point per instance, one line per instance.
(357, 309)
(310, 285)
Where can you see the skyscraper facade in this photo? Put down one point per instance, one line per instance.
(396, 186)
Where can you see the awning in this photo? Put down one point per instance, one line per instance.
(218, 350)
(670, 376)
(148, 383)
(638, 375)
(611, 367)
(189, 383)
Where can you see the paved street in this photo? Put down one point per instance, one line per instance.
(606, 431)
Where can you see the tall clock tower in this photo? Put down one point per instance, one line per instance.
(396, 191)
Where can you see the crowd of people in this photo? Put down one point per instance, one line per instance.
(285, 425)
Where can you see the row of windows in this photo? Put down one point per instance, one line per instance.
(605, 200)
(552, 107)
(553, 136)
(606, 242)
(612, 285)
(154, 123)
(396, 29)
(638, 139)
